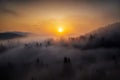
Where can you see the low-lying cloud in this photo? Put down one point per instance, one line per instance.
(57, 61)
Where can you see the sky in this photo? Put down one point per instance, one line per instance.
(44, 17)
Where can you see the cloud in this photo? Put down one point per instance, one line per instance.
(60, 0)
(38, 61)
(8, 11)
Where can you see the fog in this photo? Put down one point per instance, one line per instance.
(78, 58)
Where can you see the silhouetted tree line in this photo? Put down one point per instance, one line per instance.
(93, 41)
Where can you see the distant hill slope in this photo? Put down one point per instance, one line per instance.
(11, 35)
(108, 31)
(106, 37)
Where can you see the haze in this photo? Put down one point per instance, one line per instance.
(44, 17)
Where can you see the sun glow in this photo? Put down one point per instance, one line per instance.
(60, 29)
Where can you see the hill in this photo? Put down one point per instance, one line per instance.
(11, 35)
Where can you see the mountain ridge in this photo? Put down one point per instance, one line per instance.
(12, 35)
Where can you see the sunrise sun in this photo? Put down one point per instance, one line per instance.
(60, 29)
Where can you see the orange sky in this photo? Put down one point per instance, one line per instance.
(44, 18)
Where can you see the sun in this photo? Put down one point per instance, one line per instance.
(60, 29)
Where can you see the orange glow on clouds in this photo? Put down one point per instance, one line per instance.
(45, 18)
